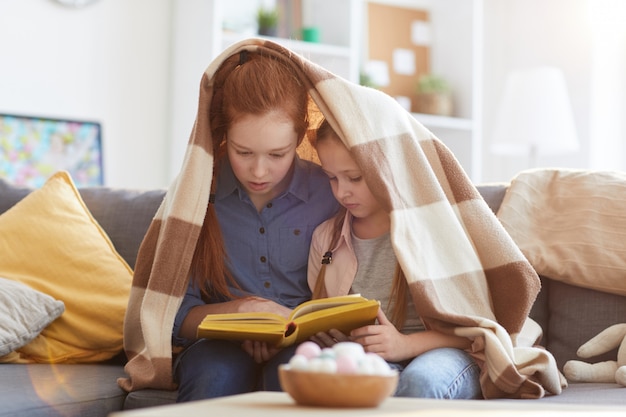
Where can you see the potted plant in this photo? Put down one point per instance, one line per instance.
(267, 21)
(366, 80)
(434, 95)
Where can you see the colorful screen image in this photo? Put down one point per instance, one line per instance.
(34, 148)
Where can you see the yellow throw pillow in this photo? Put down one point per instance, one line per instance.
(51, 242)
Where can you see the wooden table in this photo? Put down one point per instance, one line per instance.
(277, 404)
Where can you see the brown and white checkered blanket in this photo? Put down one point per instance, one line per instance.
(465, 273)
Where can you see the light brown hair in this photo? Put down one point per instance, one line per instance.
(399, 289)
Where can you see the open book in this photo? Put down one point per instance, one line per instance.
(344, 313)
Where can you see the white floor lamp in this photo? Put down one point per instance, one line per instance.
(535, 115)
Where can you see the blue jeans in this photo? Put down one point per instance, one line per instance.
(445, 373)
(215, 368)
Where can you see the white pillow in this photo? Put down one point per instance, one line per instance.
(24, 313)
(571, 225)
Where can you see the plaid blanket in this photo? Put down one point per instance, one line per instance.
(466, 274)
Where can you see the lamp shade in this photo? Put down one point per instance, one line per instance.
(535, 115)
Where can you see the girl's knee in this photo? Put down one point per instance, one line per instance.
(442, 373)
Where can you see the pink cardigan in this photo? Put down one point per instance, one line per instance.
(341, 271)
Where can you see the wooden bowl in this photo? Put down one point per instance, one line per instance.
(322, 389)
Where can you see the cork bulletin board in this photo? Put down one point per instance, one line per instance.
(392, 39)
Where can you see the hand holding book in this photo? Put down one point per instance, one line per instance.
(344, 313)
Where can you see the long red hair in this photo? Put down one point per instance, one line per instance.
(245, 83)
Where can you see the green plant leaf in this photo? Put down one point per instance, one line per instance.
(429, 83)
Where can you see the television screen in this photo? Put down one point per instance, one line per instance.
(33, 148)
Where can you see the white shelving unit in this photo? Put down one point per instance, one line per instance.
(456, 54)
(340, 41)
(444, 122)
(199, 37)
(335, 58)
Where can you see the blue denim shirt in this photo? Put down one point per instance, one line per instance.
(268, 250)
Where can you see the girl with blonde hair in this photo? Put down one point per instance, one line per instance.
(352, 253)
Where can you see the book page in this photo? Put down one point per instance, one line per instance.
(325, 303)
(344, 313)
(259, 317)
(344, 318)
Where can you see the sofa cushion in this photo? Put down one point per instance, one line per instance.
(570, 225)
(540, 311)
(149, 398)
(576, 314)
(24, 313)
(50, 242)
(578, 399)
(126, 231)
(42, 390)
(493, 194)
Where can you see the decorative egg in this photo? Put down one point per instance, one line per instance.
(300, 362)
(349, 349)
(342, 358)
(365, 367)
(327, 353)
(315, 364)
(308, 349)
(379, 365)
(328, 365)
(346, 365)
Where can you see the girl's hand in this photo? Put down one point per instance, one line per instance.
(328, 339)
(383, 339)
(260, 351)
(251, 304)
(258, 304)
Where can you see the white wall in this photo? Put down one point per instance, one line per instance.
(608, 81)
(192, 51)
(108, 62)
(134, 64)
(526, 33)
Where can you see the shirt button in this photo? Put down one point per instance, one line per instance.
(269, 205)
(263, 259)
(262, 230)
(296, 232)
(267, 284)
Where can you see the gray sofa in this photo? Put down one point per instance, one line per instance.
(569, 316)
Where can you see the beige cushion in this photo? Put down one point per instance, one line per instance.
(50, 242)
(571, 225)
(24, 313)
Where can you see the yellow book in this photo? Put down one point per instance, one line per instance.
(344, 313)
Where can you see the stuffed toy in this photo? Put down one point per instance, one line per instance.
(610, 371)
